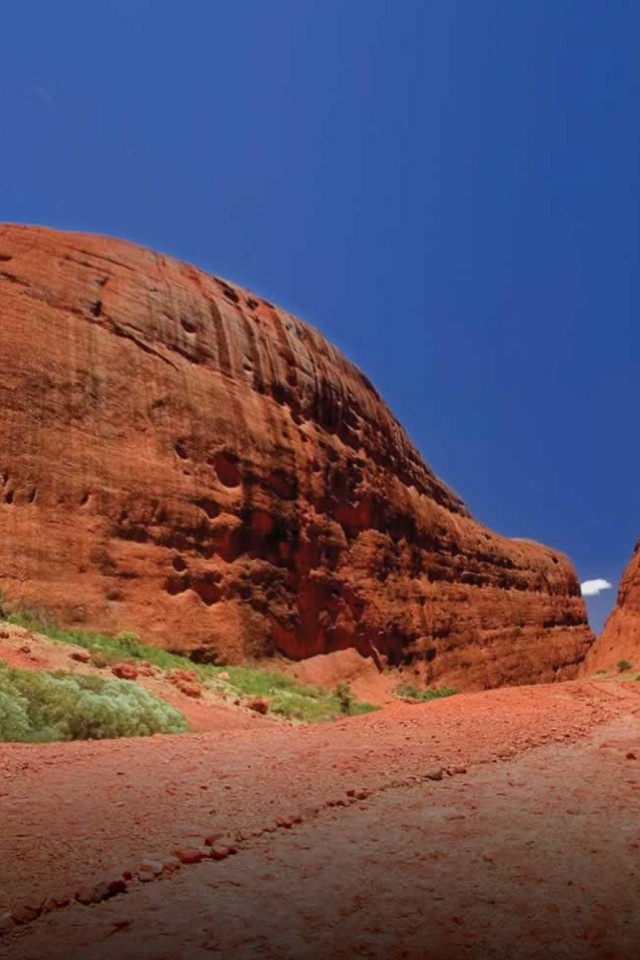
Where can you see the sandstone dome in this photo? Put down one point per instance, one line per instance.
(181, 458)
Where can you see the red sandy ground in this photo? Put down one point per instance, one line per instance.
(527, 847)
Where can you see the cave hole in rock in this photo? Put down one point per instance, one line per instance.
(210, 507)
(228, 291)
(208, 591)
(174, 585)
(283, 484)
(279, 393)
(8, 497)
(227, 470)
(188, 325)
(230, 547)
(181, 449)
(32, 495)
(179, 564)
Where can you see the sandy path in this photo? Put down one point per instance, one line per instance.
(537, 851)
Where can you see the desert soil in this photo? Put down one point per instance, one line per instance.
(488, 825)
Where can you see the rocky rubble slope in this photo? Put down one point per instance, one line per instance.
(182, 458)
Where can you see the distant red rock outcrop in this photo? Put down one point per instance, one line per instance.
(182, 458)
(620, 638)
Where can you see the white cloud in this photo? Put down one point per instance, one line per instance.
(591, 588)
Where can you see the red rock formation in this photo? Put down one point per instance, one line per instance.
(620, 638)
(181, 458)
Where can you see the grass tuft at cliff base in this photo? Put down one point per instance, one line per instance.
(408, 692)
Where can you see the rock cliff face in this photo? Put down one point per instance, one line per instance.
(620, 638)
(181, 458)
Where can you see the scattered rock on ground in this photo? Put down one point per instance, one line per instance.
(125, 671)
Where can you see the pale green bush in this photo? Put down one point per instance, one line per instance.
(38, 706)
(14, 721)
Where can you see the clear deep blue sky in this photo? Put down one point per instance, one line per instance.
(448, 189)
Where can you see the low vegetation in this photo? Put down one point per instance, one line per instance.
(105, 649)
(409, 692)
(345, 697)
(623, 666)
(286, 697)
(36, 706)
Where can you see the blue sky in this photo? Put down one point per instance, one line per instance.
(447, 189)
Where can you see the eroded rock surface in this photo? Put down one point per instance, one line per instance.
(181, 458)
(620, 638)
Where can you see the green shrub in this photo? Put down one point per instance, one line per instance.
(39, 706)
(14, 721)
(438, 692)
(345, 697)
(408, 691)
(623, 666)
